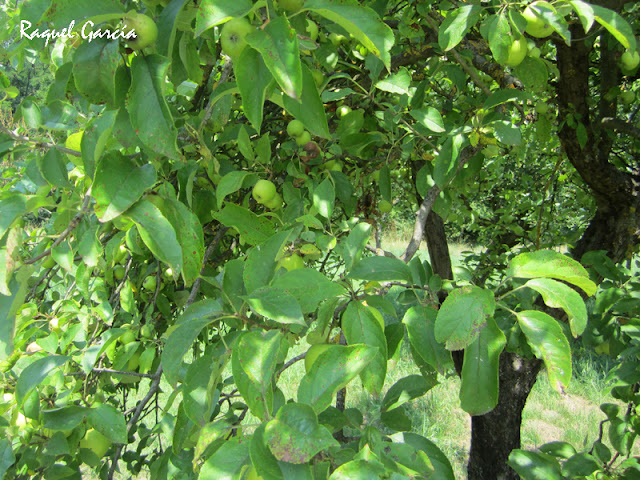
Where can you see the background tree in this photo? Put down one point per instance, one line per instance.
(187, 214)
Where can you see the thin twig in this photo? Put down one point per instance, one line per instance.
(72, 225)
(38, 143)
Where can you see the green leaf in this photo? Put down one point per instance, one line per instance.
(295, 436)
(440, 462)
(505, 96)
(621, 436)
(397, 83)
(533, 74)
(7, 457)
(277, 42)
(550, 264)
(558, 295)
(351, 248)
(462, 315)
(253, 78)
(405, 390)
(616, 26)
(35, 373)
(110, 422)
(547, 340)
(420, 322)
(53, 168)
(585, 13)
(397, 419)
(258, 354)
(535, 466)
(147, 107)
(156, 233)
(480, 370)
(63, 255)
(227, 461)
(381, 269)
(94, 69)
(430, 118)
(363, 23)
(230, 183)
(261, 261)
(244, 144)
(456, 25)
(214, 12)
(277, 305)
(264, 462)
(95, 138)
(120, 183)
(360, 326)
(500, 38)
(409, 459)
(191, 322)
(507, 133)
(259, 400)
(310, 109)
(360, 469)
(190, 236)
(309, 287)
(324, 197)
(62, 12)
(580, 465)
(446, 162)
(254, 229)
(384, 183)
(11, 207)
(332, 371)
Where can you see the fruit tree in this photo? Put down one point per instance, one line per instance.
(186, 211)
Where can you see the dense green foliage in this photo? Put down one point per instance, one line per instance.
(153, 284)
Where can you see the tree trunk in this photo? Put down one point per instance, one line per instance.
(496, 434)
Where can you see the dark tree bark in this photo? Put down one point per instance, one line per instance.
(495, 434)
(615, 226)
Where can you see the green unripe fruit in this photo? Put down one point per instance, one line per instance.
(263, 191)
(542, 108)
(536, 25)
(150, 283)
(145, 29)
(232, 36)
(293, 262)
(627, 97)
(146, 331)
(96, 442)
(344, 110)
(630, 60)
(295, 128)
(49, 262)
(517, 52)
(303, 139)
(336, 39)
(118, 272)
(385, 206)
(275, 203)
(127, 337)
(291, 5)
